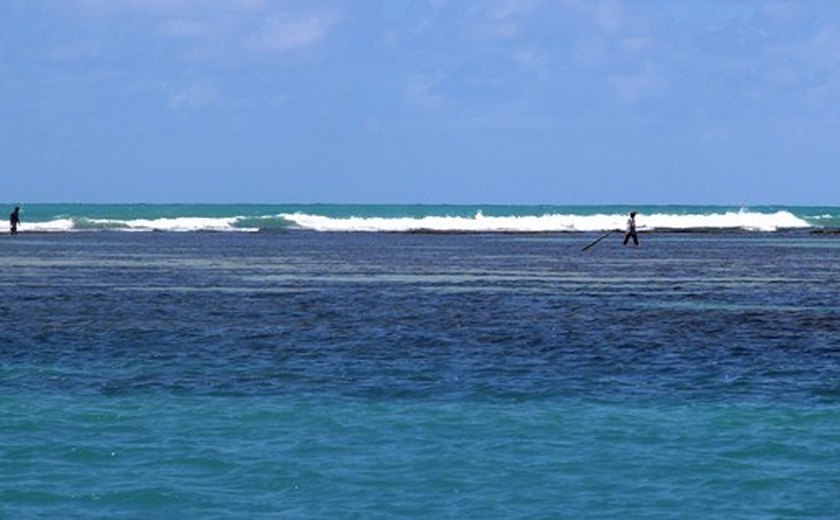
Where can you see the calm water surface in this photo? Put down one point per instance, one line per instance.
(311, 375)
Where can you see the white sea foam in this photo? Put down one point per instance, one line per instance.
(52, 226)
(746, 220)
(181, 224)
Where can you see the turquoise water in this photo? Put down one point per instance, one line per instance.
(331, 217)
(294, 456)
(377, 375)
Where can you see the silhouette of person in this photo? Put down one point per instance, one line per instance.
(631, 230)
(14, 220)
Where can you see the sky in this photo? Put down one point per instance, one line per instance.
(421, 101)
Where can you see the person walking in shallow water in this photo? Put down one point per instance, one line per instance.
(14, 220)
(631, 230)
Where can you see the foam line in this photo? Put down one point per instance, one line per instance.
(745, 220)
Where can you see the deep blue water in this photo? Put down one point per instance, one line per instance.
(374, 375)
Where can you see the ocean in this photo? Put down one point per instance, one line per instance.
(322, 361)
(416, 218)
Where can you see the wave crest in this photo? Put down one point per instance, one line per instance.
(477, 223)
(743, 220)
(180, 224)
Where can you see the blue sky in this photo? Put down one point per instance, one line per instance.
(430, 101)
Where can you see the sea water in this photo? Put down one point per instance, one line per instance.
(305, 374)
(415, 218)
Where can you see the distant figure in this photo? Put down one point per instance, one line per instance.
(14, 220)
(631, 230)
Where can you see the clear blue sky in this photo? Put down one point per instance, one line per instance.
(433, 101)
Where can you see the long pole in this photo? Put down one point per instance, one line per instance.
(602, 237)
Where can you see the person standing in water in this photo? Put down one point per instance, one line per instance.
(631, 230)
(14, 220)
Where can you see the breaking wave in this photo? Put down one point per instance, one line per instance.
(332, 220)
(740, 220)
(181, 224)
